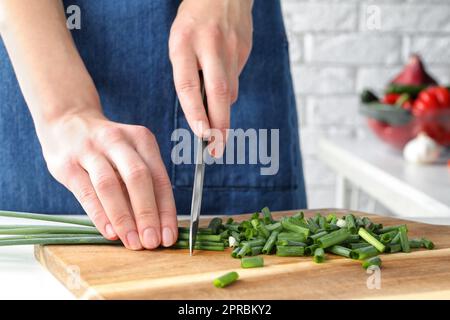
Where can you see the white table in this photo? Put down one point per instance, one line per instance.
(417, 192)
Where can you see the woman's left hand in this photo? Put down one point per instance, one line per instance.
(216, 37)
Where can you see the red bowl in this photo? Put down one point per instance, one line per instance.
(436, 126)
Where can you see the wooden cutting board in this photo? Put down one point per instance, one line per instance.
(112, 272)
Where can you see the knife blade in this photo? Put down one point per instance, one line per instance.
(197, 190)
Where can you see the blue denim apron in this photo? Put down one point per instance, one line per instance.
(124, 46)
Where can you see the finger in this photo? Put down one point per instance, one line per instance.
(187, 85)
(218, 92)
(138, 180)
(148, 149)
(80, 185)
(112, 198)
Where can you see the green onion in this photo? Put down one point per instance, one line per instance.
(415, 243)
(309, 251)
(333, 238)
(427, 244)
(270, 243)
(371, 239)
(288, 225)
(235, 252)
(275, 226)
(199, 231)
(404, 239)
(47, 217)
(252, 262)
(391, 228)
(393, 247)
(261, 228)
(290, 243)
(38, 229)
(225, 280)
(267, 215)
(256, 250)
(396, 239)
(291, 236)
(245, 249)
(290, 251)
(201, 237)
(374, 261)
(319, 255)
(254, 243)
(313, 238)
(56, 240)
(312, 225)
(215, 225)
(388, 236)
(351, 225)
(340, 251)
(364, 253)
(358, 245)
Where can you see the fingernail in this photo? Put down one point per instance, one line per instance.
(167, 237)
(133, 240)
(218, 150)
(150, 238)
(110, 231)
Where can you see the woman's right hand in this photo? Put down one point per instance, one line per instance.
(116, 173)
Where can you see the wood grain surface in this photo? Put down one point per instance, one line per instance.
(113, 272)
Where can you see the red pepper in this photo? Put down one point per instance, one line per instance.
(390, 98)
(431, 100)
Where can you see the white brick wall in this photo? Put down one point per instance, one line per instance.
(338, 48)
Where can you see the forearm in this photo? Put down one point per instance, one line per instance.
(51, 74)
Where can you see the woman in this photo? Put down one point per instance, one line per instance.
(103, 97)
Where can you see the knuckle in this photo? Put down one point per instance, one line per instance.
(86, 195)
(148, 215)
(122, 220)
(111, 135)
(220, 88)
(105, 183)
(137, 172)
(143, 133)
(187, 86)
(214, 31)
(179, 38)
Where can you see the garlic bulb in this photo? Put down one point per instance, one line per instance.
(422, 149)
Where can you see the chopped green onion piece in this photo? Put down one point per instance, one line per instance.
(404, 239)
(292, 236)
(290, 251)
(340, 251)
(313, 238)
(225, 280)
(350, 222)
(393, 247)
(391, 228)
(374, 261)
(371, 239)
(288, 225)
(275, 226)
(252, 262)
(319, 255)
(427, 244)
(270, 243)
(267, 215)
(364, 253)
(415, 243)
(290, 243)
(333, 238)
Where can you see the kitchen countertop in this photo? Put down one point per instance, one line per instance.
(408, 190)
(22, 277)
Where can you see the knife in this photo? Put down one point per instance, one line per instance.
(197, 190)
